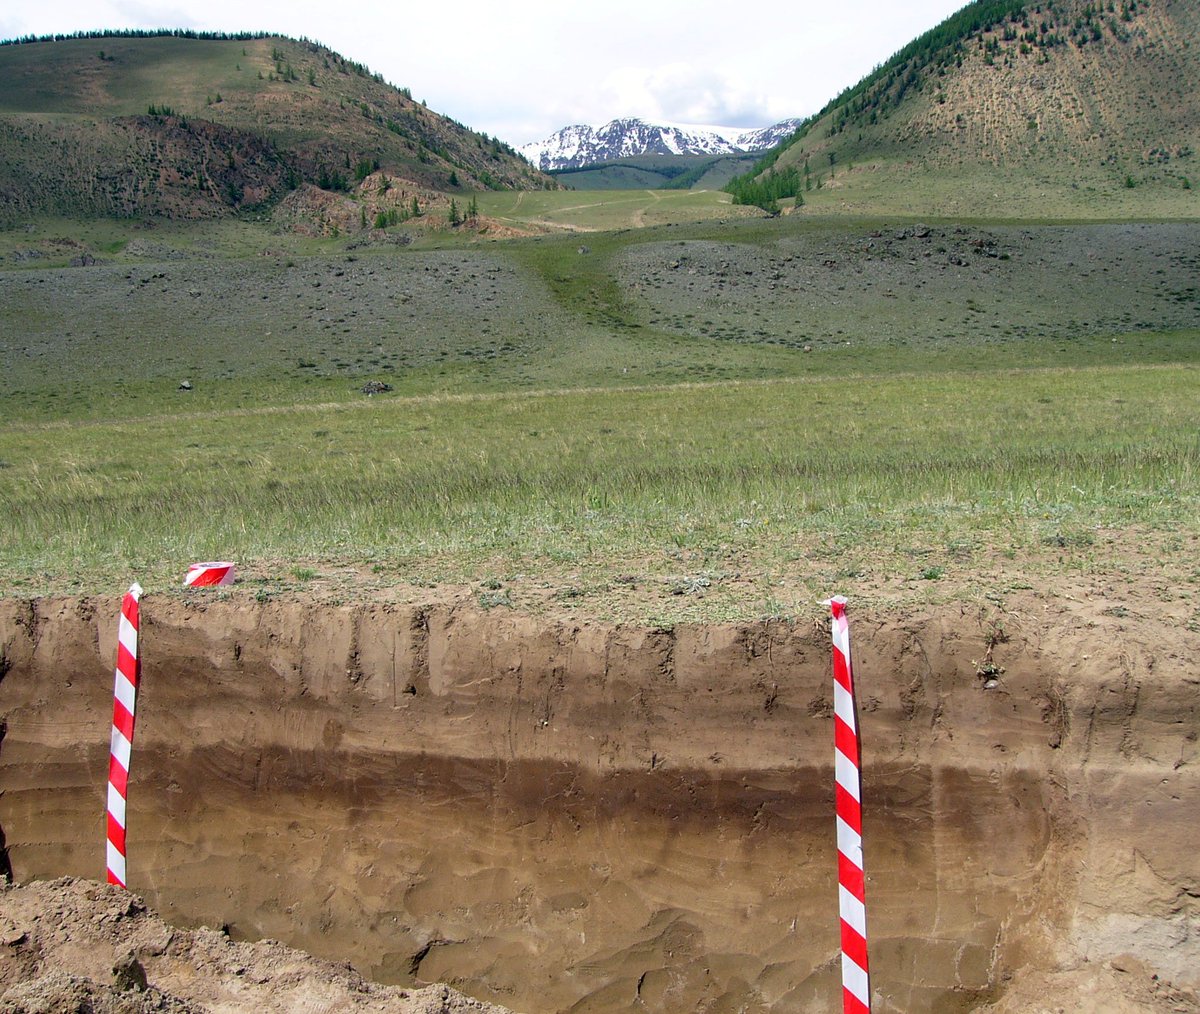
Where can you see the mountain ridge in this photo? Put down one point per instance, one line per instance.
(579, 145)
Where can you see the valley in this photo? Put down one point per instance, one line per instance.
(614, 467)
(535, 497)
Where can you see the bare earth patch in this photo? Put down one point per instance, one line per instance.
(75, 945)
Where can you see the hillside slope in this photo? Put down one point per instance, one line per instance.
(657, 172)
(240, 122)
(1062, 96)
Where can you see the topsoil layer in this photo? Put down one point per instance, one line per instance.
(557, 816)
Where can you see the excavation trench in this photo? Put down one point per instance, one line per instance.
(561, 816)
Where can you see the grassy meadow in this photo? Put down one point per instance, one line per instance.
(1048, 191)
(606, 210)
(898, 188)
(708, 419)
(698, 480)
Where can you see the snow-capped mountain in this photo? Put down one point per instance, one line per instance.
(581, 145)
(767, 137)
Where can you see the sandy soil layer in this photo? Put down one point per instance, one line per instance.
(564, 816)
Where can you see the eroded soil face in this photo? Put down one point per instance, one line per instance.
(563, 816)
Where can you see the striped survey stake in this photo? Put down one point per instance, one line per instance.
(124, 706)
(216, 574)
(852, 898)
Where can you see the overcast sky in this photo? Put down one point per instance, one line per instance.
(521, 70)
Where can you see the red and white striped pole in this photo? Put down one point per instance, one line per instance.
(852, 897)
(124, 706)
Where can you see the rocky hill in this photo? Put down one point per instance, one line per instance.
(205, 126)
(1070, 93)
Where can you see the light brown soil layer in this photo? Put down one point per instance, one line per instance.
(563, 816)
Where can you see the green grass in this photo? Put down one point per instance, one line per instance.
(1045, 192)
(598, 210)
(878, 189)
(45, 77)
(58, 239)
(696, 412)
(699, 302)
(710, 479)
(660, 395)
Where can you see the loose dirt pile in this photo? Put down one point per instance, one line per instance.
(556, 815)
(74, 945)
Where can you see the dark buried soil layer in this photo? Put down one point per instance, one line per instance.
(560, 816)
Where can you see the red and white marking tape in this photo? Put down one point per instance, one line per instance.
(209, 575)
(852, 898)
(124, 707)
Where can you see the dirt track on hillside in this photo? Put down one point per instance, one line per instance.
(556, 815)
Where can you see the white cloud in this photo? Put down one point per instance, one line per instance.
(683, 93)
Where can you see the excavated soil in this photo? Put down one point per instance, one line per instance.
(86, 948)
(554, 815)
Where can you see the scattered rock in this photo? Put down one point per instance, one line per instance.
(375, 387)
(185, 385)
(129, 975)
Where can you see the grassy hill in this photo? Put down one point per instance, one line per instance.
(200, 127)
(657, 172)
(1058, 105)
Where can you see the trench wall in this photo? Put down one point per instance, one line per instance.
(562, 816)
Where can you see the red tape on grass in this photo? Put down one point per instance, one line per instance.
(847, 754)
(121, 746)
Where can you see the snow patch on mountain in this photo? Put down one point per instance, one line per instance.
(580, 144)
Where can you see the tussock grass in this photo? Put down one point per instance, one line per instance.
(729, 474)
